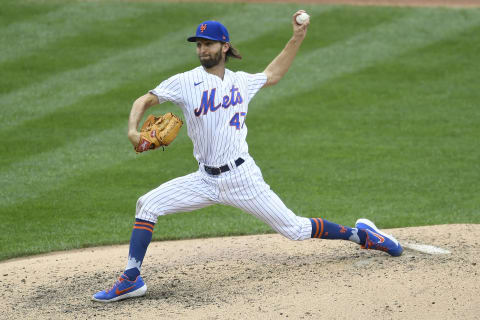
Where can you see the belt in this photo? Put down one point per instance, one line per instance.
(216, 171)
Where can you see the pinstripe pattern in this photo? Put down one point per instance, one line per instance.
(182, 194)
(245, 188)
(215, 141)
(215, 111)
(242, 187)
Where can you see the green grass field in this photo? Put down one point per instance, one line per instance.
(378, 117)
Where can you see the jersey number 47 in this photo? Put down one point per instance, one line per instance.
(235, 121)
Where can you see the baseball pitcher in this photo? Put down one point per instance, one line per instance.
(214, 101)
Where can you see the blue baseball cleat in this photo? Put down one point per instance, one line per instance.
(122, 289)
(377, 240)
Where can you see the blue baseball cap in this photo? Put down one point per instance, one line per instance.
(212, 30)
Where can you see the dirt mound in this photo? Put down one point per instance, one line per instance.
(253, 277)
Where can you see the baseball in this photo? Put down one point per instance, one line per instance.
(301, 18)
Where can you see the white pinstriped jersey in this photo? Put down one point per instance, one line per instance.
(215, 110)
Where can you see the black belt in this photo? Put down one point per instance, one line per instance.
(216, 171)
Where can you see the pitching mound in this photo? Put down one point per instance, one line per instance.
(255, 277)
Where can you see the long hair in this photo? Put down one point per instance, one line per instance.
(232, 52)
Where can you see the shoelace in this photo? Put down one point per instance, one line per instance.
(369, 244)
(379, 247)
(116, 283)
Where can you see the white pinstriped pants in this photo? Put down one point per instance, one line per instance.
(241, 187)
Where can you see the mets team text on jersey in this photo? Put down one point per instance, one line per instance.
(215, 110)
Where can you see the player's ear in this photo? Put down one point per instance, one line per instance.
(225, 47)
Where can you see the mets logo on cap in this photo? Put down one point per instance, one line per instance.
(212, 30)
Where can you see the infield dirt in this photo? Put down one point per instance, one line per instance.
(257, 277)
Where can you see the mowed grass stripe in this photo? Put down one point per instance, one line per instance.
(99, 201)
(368, 147)
(91, 43)
(15, 11)
(49, 168)
(94, 42)
(23, 38)
(70, 86)
(68, 118)
(63, 89)
(79, 120)
(11, 195)
(89, 114)
(421, 27)
(104, 214)
(398, 138)
(336, 26)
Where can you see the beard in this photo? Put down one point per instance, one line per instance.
(210, 62)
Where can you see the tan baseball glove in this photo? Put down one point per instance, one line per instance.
(158, 131)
